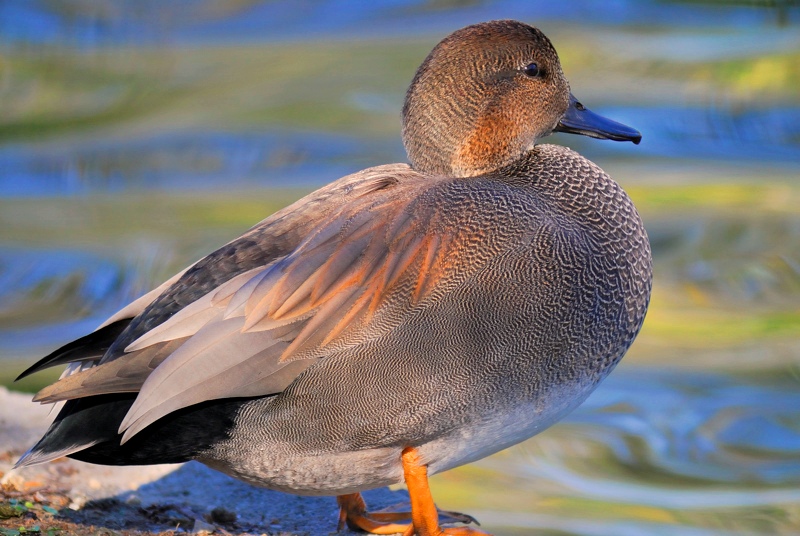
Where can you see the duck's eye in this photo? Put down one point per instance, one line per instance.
(532, 70)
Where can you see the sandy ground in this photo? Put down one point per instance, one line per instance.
(71, 497)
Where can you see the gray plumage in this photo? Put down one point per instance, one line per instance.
(502, 356)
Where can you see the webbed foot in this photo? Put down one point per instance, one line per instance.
(425, 518)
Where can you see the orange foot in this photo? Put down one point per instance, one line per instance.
(353, 511)
(424, 515)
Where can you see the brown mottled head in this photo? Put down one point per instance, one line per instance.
(484, 95)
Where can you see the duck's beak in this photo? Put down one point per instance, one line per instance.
(579, 120)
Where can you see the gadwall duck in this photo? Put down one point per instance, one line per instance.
(398, 322)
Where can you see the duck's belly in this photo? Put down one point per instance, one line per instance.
(331, 473)
(342, 467)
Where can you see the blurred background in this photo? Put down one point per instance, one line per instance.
(136, 136)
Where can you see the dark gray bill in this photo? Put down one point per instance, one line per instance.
(579, 120)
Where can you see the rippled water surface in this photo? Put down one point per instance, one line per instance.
(137, 136)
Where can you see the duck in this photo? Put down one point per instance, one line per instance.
(396, 323)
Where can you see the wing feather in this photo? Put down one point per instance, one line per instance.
(255, 333)
(205, 356)
(247, 378)
(242, 297)
(194, 316)
(118, 376)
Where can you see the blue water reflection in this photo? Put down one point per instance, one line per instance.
(180, 21)
(180, 160)
(76, 288)
(708, 428)
(751, 135)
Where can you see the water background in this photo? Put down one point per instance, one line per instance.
(136, 136)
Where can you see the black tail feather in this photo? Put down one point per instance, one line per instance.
(86, 429)
(89, 347)
(80, 424)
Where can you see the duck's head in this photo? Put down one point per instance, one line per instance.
(485, 95)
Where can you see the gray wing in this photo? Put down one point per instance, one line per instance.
(253, 334)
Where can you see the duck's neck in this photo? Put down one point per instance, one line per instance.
(479, 150)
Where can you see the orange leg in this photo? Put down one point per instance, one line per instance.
(424, 515)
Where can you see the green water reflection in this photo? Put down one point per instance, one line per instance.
(127, 154)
